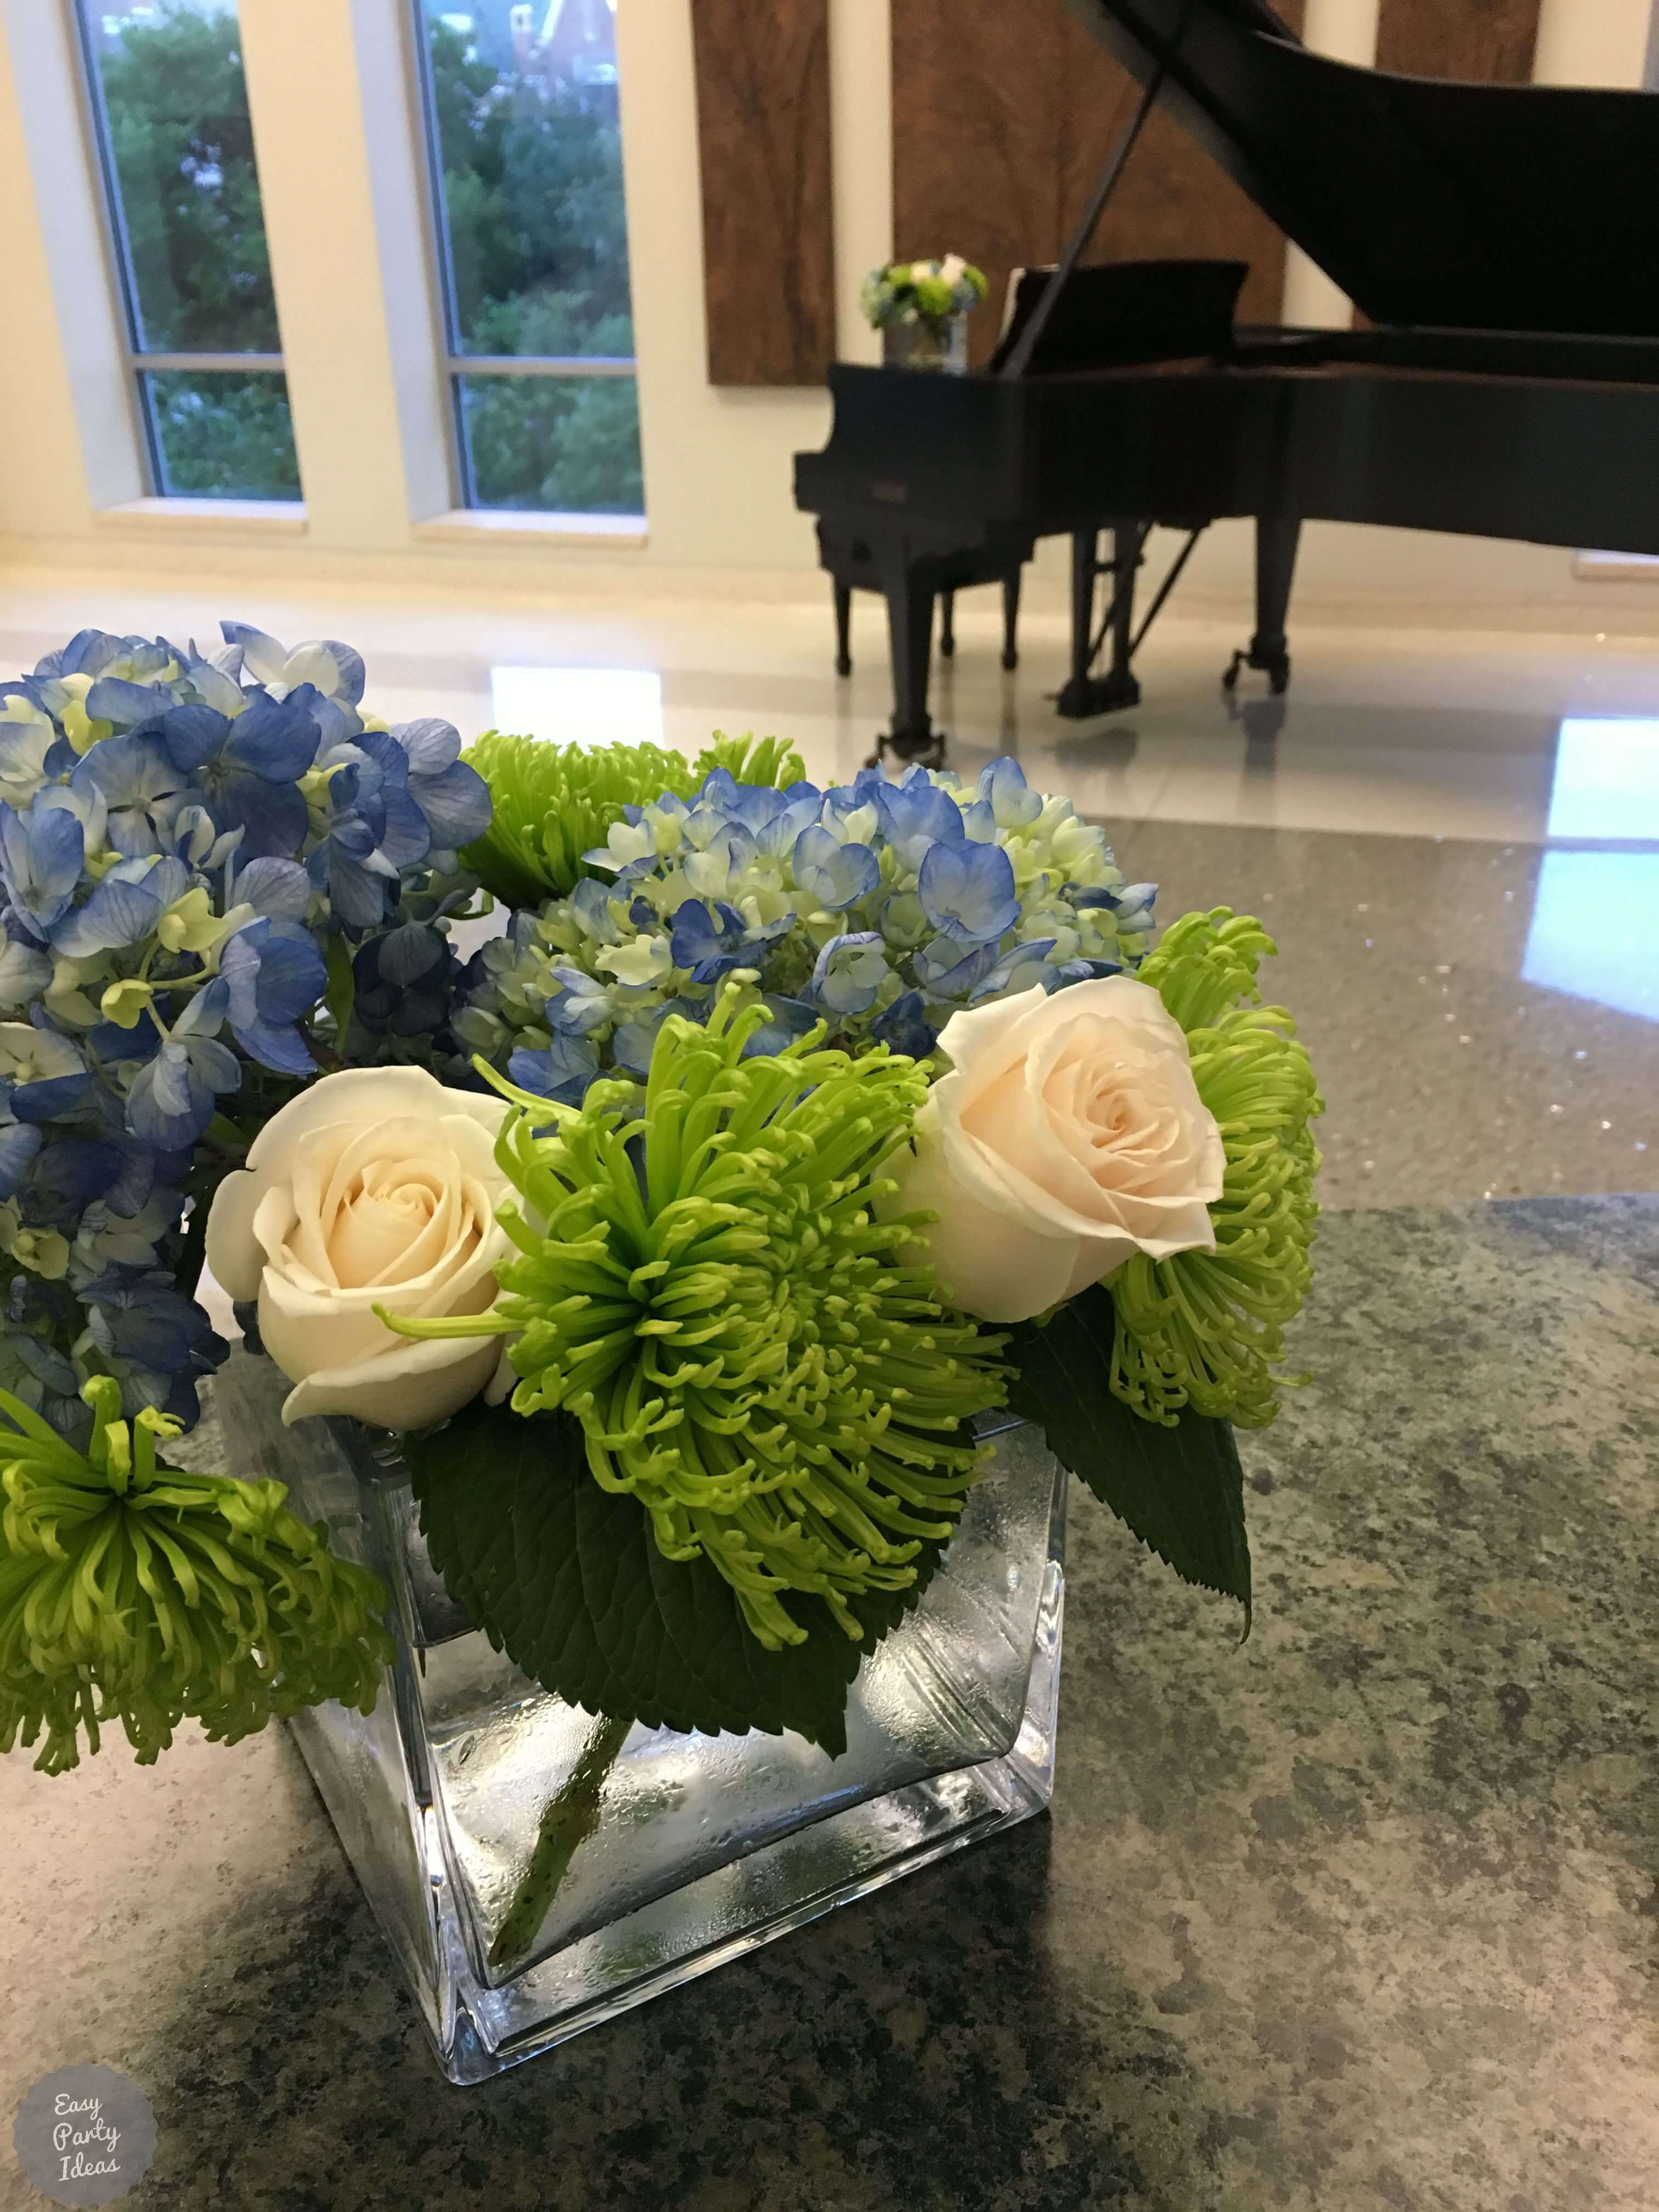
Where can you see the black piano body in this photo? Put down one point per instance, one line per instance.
(1509, 388)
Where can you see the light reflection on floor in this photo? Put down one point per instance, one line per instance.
(1607, 779)
(580, 706)
(1595, 930)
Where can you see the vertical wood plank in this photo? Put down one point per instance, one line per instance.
(1004, 116)
(762, 73)
(1476, 41)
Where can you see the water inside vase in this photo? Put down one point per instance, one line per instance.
(946, 1690)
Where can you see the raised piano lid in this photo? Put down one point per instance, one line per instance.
(1465, 206)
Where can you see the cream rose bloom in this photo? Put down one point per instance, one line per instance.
(374, 1187)
(1068, 1135)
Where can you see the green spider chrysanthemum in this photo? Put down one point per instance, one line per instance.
(136, 1592)
(554, 803)
(1206, 1329)
(714, 1303)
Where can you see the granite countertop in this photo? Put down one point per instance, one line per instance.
(1361, 1914)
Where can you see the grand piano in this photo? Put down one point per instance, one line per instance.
(1503, 244)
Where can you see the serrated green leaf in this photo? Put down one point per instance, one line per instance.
(1180, 1489)
(565, 1579)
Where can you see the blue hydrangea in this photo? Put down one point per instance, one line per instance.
(193, 844)
(877, 908)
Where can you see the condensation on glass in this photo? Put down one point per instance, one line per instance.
(170, 116)
(525, 156)
(705, 1847)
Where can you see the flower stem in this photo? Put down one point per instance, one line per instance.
(569, 1818)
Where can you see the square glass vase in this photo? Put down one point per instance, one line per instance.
(705, 1846)
(939, 347)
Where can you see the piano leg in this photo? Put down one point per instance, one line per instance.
(843, 628)
(1010, 584)
(947, 624)
(910, 634)
(1276, 538)
(1084, 695)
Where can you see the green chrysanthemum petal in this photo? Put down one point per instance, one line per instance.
(1207, 1329)
(554, 803)
(750, 759)
(707, 1290)
(136, 1592)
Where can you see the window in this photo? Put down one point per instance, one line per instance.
(170, 112)
(526, 160)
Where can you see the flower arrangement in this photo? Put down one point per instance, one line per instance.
(926, 292)
(682, 1233)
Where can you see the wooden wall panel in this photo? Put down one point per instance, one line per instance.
(1005, 115)
(1478, 41)
(762, 69)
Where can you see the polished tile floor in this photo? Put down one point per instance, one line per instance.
(1455, 835)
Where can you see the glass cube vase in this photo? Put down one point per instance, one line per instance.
(940, 348)
(705, 1846)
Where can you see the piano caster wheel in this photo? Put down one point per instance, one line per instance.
(947, 648)
(928, 750)
(1084, 696)
(843, 665)
(1011, 661)
(1275, 666)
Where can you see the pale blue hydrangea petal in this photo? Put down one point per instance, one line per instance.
(580, 1006)
(1014, 805)
(915, 817)
(561, 1072)
(945, 973)
(967, 890)
(833, 875)
(1024, 969)
(849, 972)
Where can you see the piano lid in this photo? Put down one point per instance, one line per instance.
(1455, 206)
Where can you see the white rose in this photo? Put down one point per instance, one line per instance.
(1068, 1135)
(950, 269)
(375, 1186)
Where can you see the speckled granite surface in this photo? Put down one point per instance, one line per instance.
(1362, 1914)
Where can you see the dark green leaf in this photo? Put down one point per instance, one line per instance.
(1181, 1490)
(341, 994)
(565, 1579)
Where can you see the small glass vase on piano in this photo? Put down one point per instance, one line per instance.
(922, 309)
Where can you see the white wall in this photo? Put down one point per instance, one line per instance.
(327, 85)
(717, 461)
(1593, 41)
(1345, 30)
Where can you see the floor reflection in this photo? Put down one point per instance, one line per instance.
(1607, 780)
(579, 706)
(1595, 927)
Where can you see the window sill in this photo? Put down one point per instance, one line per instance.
(258, 517)
(482, 525)
(1617, 567)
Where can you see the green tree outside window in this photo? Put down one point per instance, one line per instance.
(181, 148)
(530, 164)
